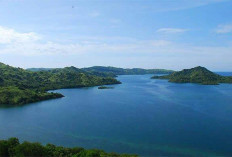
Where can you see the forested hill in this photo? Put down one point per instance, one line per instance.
(113, 71)
(19, 86)
(198, 74)
(96, 73)
(121, 71)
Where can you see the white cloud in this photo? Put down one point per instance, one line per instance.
(13, 42)
(171, 30)
(224, 29)
(11, 36)
(83, 47)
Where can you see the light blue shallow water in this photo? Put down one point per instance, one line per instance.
(143, 116)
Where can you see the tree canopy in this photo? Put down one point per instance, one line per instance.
(12, 147)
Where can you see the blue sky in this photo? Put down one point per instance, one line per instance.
(171, 34)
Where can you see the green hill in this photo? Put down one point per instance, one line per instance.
(19, 86)
(198, 74)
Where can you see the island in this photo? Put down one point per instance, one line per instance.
(19, 86)
(12, 147)
(105, 87)
(198, 75)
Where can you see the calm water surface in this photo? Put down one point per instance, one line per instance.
(142, 116)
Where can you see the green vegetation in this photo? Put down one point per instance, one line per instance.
(120, 71)
(198, 74)
(19, 86)
(13, 148)
(105, 87)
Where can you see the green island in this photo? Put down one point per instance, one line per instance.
(19, 86)
(198, 75)
(12, 147)
(105, 87)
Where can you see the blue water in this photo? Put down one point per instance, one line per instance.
(143, 116)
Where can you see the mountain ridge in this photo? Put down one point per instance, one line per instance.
(114, 71)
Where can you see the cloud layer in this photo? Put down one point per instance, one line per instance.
(163, 52)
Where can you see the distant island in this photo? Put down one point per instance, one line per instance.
(105, 87)
(12, 147)
(19, 86)
(198, 75)
(113, 71)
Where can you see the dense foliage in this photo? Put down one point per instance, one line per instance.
(12, 148)
(121, 71)
(198, 74)
(19, 86)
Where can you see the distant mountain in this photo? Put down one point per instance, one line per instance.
(198, 74)
(120, 71)
(19, 86)
(39, 69)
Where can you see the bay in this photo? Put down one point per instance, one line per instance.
(141, 116)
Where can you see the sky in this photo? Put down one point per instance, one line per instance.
(169, 34)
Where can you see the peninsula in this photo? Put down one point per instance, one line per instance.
(19, 86)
